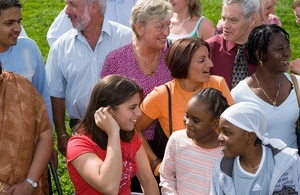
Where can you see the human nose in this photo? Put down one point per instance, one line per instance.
(67, 10)
(220, 137)
(17, 27)
(138, 111)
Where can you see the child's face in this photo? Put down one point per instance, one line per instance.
(199, 122)
(232, 139)
(127, 113)
(297, 14)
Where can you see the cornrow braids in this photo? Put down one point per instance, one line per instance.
(259, 39)
(214, 100)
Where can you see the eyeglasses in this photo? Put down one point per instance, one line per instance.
(162, 28)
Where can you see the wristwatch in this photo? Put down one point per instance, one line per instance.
(34, 185)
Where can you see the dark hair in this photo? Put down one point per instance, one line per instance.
(6, 4)
(179, 55)
(0, 68)
(214, 100)
(112, 91)
(259, 39)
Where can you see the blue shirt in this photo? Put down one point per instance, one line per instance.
(25, 59)
(73, 68)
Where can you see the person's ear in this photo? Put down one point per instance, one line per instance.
(139, 28)
(251, 138)
(216, 123)
(109, 109)
(254, 20)
(94, 7)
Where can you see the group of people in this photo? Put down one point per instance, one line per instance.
(233, 104)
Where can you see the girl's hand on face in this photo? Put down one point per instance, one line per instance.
(105, 121)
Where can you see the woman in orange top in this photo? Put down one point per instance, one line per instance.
(189, 63)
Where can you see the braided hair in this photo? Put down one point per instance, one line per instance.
(214, 101)
(259, 39)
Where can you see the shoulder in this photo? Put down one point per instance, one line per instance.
(215, 40)
(124, 50)
(118, 28)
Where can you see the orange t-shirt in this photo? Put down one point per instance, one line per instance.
(155, 105)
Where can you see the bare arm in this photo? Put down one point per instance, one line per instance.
(104, 176)
(206, 29)
(145, 175)
(59, 111)
(141, 125)
(39, 163)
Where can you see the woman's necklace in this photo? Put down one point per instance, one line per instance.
(146, 61)
(273, 102)
(183, 21)
(251, 169)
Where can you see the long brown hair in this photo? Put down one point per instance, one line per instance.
(112, 91)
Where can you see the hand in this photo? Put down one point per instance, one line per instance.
(105, 121)
(294, 66)
(62, 141)
(6, 186)
(23, 188)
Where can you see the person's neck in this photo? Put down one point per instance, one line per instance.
(181, 16)
(189, 86)
(252, 158)
(209, 141)
(143, 49)
(93, 31)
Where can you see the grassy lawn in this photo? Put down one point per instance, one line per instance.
(39, 14)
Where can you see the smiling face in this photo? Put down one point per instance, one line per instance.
(199, 122)
(232, 139)
(266, 9)
(278, 54)
(78, 13)
(10, 27)
(236, 28)
(199, 70)
(127, 113)
(154, 34)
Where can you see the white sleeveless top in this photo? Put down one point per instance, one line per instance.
(173, 37)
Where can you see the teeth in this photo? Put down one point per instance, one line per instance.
(134, 120)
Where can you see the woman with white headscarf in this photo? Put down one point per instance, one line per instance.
(252, 163)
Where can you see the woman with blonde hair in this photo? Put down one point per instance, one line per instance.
(187, 21)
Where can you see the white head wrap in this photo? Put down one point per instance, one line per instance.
(250, 117)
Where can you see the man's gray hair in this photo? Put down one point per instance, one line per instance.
(101, 3)
(249, 7)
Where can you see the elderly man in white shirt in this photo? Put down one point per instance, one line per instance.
(116, 10)
(76, 58)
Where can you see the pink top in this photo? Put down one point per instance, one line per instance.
(123, 61)
(79, 145)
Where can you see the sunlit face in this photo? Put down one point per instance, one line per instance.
(127, 113)
(199, 70)
(267, 9)
(178, 5)
(78, 13)
(10, 27)
(232, 139)
(236, 28)
(297, 14)
(278, 54)
(154, 34)
(199, 121)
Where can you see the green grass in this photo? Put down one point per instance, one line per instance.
(39, 14)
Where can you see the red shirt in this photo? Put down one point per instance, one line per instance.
(222, 54)
(79, 145)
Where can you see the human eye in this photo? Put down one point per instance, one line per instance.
(201, 60)
(196, 120)
(159, 27)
